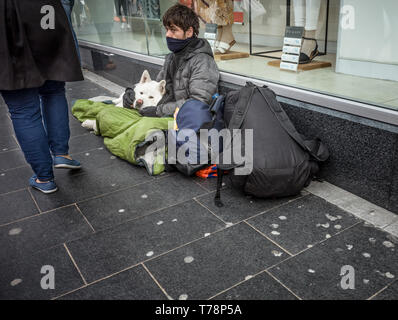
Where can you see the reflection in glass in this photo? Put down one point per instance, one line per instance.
(363, 55)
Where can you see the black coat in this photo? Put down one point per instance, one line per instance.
(29, 54)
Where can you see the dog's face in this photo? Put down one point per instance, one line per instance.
(148, 92)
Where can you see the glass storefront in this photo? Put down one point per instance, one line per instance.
(357, 40)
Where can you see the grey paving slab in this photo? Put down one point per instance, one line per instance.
(206, 267)
(85, 142)
(97, 158)
(6, 129)
(84, 90)
(237, 206)
(260, 287)
(3, 106)
(4, 117)
(315, 273)
(390, 293)
(302, 223)
(76, 129)
(74, 187)
(115, 249)
(209, 184)
(132, 284)
(7, 143)
(21, 279)
(40, 232)
(15, 179)
(139, 200)
(16, 205)
(12, 159)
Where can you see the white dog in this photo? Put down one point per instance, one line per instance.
(147, 93)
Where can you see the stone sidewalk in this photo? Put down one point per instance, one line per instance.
(113, 232)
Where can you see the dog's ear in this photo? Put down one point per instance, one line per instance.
(162, 86)
(145, 77)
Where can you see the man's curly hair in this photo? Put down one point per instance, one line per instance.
(182, 17)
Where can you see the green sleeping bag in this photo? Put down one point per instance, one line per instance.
(125, 132)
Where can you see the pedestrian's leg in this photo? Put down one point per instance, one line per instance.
(299, 13)
(24, 107)
(118, 11)
(309, 48)
(56, 120)
(55, 116)
(78, 12)
(313, 8)
(125, 11)
(68, 7)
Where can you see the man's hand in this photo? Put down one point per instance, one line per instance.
(148, 111)
(128, 98)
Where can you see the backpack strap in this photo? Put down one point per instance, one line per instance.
(214, 108)
(315, 147)
(216, 104)
(238, 116)
(217, 197)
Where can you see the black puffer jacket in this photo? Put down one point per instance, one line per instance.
(190, 74)
(29, 54)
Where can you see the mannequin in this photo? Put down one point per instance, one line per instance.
(306, 14)
(220, 12)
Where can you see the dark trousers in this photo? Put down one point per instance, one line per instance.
(119, 4)
(68, 6)
(41, 124)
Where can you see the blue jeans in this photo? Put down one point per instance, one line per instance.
(41, 124)
(68, 6)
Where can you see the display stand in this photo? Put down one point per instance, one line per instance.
(230, 55)
(291, 48)
(304, 67)
(211, 36)
(288, 11)
(291, 53)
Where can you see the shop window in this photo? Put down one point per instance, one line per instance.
(357, 39)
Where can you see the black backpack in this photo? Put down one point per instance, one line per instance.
(284, 161)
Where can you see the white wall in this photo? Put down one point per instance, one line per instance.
(375, 35)
(369, 45)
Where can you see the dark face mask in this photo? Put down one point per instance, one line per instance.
(176, 45)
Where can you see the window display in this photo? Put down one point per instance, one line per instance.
(220, 12)
(361, 62)
(368, 39)
(306, 14)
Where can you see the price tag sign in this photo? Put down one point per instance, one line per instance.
(211, 33)
(292, 48)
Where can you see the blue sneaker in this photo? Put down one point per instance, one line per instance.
(64, 163)
(46, 187)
